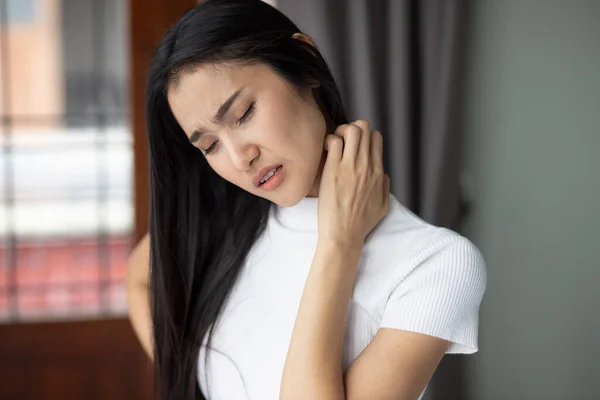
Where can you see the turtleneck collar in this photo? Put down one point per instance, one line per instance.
(299, 217)
(303, 217)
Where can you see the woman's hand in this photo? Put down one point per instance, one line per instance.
(354, 190)
(353, 198)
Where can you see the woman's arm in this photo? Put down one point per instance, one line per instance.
(353, 198)
(138, 278)
(313, 367)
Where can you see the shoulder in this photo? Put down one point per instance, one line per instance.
(422, 249)
(437, 279)
(445, 258)
(401, 228)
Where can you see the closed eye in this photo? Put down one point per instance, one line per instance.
(247, 114)
(244, 118)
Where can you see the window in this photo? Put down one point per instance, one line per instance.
(21, 11)
(66, 201)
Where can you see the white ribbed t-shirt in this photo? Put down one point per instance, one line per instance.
(411, 276)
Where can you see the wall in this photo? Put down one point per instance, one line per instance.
(532, 138)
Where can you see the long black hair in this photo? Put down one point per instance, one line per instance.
(202, 226)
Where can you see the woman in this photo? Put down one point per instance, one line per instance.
(281, 265)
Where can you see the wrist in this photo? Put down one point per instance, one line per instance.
(344, 244)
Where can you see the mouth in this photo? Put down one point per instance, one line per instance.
(272, 179)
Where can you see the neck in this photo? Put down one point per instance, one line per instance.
(314, 191)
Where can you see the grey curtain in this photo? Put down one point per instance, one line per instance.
(398, 64)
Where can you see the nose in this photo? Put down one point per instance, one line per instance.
(242, 154)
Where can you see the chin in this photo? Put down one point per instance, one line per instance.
(286, 202)
(289, 199)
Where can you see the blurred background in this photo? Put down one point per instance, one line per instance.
(490, 111)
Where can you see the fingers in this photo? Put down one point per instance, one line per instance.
(363, 155)
(376, 149)
(351, 135)
(359, 144)
(334, 146)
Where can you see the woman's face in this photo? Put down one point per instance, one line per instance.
(263, 121)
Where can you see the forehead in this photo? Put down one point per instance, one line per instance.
(198, 93)
(212, 82)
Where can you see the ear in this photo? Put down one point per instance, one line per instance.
(304, 38)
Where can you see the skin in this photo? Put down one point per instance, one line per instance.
(344, 169)
(285, 127)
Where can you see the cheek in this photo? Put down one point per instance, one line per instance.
(277, 129)
(300, 124)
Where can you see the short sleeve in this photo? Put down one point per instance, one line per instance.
(441, 295)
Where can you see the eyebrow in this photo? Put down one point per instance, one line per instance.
(218, 117)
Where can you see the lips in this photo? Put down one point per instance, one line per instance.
(261, 174)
